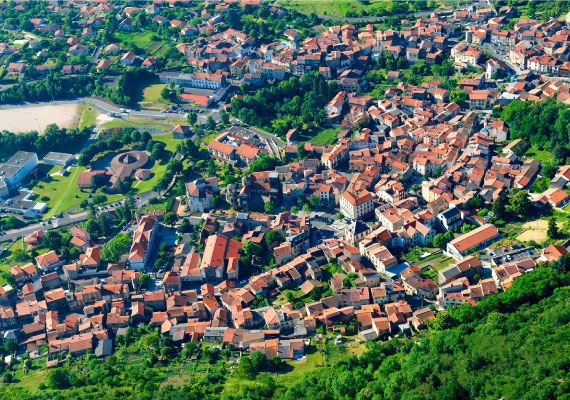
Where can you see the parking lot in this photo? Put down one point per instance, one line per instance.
(517, 252)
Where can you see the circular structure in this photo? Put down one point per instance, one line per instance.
(130, 160)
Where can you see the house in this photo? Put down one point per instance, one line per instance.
(128, 58)
(48, 261)
(553, 253)
(357, 206)
(474, 240)
(220, 259)
(200, 194)
(450, 219)
(466, 267)
(143, 241)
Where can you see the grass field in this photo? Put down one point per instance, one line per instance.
(536, 230)
(335, 8)
(323, 137)
(539, 155)
(152, 99)
(118, 123)
(141, 40)
(87, 116)
(61, 192)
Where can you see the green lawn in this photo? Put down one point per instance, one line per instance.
(321, 137)
(152, 99)
(60, 192)
(539, 155)
(141, 40)
(335, 8)
(168, 140)
(118, 123)
(208, 138)
(87, 116)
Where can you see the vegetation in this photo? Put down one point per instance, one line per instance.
(294, 103)
(545, 125)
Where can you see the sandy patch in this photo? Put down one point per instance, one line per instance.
(536, 230)
(26, 119)
(104, 118)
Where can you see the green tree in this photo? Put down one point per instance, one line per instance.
(552, 231)
(458, 96)
(520, 203)
(192, 118)
(314, 201)
(249, 249)
(144, 280)
(269, 207)
(113, 250)
(273, 238)
(170, 218)
(210, 123)
(59, 378)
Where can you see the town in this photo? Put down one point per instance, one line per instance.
(285, 188)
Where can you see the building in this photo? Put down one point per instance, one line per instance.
(13, 171)
(356, 206)
(220, 259)
(200, 194)
(54, 158)
(143, 240)
(201, 80)
(450, 219)
(474, 240)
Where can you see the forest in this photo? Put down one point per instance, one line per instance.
(545, 125)
(513, 345)
(53, 139)
(294, 103)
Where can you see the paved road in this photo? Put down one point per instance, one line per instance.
(70, 219)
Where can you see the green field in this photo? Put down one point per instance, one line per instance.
(87, 116)
(152, 99)
(322, 137)
(118, 123)
(141, 40)
(60, 193)
(539, 155)
(333, 8)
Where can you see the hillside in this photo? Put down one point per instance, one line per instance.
(513, 345)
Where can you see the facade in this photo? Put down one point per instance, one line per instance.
(356, 206)
(200, 194)
(143, 241)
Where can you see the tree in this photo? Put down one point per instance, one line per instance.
(52, 240)
(170, 218)
(192, 118)
(98, 180)
(258, 361)
(306, 208)
(144, 280)
(520, 203)
(549, 170)
(249, 249)
(113, 250)
(269, 207)
(273, 238)
(210, 123)
(552, 232)
(458, 96)
(499, 207)
(313, 201)
(165, 93)
(59, 378)
(225, 117)
(294, 210)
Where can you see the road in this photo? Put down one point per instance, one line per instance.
(70, 219)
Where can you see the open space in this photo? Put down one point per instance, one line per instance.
(535, 230)
(32, 118)
(60, 192)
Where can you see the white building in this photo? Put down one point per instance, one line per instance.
(356, 206)
(200, 194)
